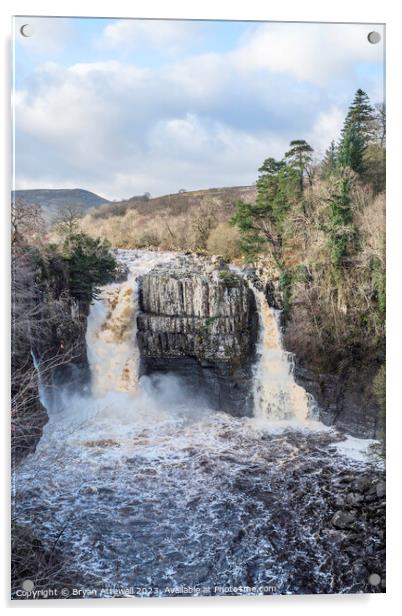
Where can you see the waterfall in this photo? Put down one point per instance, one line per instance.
(112, 352)
(276, 394)
(43, 398)
(112, 349)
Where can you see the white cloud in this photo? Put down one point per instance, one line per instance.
(319, 53)
(175, 152)
(210, 150)
(77, 103)
(205, 120)
(326, 128)
(202, 76)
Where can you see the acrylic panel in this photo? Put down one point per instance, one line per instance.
(198, 308)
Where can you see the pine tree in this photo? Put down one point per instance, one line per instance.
(299, 157)
(361, 115)
(264, 221)
(358, 133)
(352, 149)
(270, 166)
(90, 265)
(341, 228)
(330, 161)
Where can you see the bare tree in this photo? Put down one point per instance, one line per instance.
(66, 223)
(380, 122)
(27, 223)
(203, 221)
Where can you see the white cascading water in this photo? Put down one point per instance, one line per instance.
(276, 394)
(112, 349)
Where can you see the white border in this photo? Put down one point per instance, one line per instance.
(290, 10)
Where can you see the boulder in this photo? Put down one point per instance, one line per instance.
(343, 519)
(380, 489)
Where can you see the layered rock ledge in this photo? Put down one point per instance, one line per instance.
(199, 320)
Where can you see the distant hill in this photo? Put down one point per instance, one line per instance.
(54, 200)
(177, 203)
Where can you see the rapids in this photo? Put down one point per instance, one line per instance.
(146, 490)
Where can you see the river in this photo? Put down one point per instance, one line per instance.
(150, 493)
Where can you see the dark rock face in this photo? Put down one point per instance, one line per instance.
(200, 322)
(343, 519)
(60, 352)
(61, 347)
(345, 400)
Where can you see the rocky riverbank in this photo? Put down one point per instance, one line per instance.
(325, 518)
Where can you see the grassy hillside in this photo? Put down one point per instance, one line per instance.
(195, 220)
(52, 201)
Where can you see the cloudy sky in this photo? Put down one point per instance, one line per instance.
(123, 107)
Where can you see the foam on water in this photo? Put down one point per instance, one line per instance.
(149, 487)
(357, 449)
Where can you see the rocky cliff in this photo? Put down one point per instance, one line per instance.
(345, 399)
(48, 334)
(199, 320)
(57, 352)
(344, 394)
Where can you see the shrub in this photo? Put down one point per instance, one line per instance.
(229, 279)
(224, 240)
